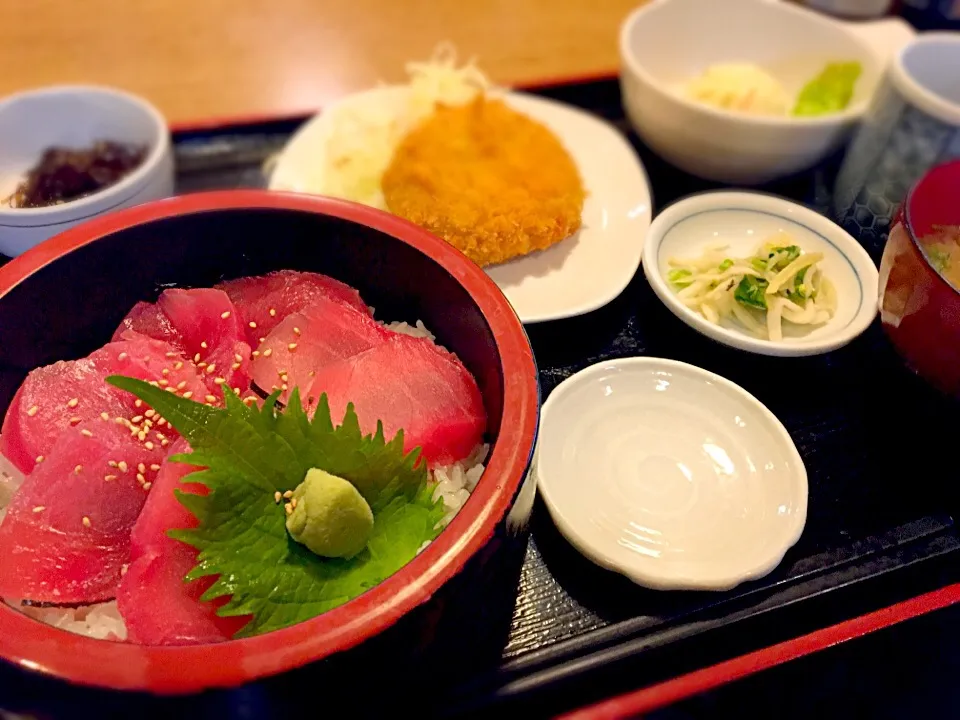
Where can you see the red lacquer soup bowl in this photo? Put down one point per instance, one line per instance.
(63, 299)
(919, 308)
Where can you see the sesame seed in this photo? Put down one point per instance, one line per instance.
(154, 383)
(164, 382)
(188, 394)
(284, 378)
(75, 421)
(312, 373)
(225, 315)
(210, 398)
(164, 443)
(296, 331)
(142, 435)
(86, 521)
(291, 347)
(284, 387)
(39, 508)
(78, 469)
(171, 355)
(274, 388)
(181, 385)
(263, 340)
(201, 365)
(39, 459)
(273, 312)
(109, 478)
(219, 381)
(253, 325)
(141, 467)
(33, 411)
(238, 357)
(148, 445)
(150, 413)
(178, 365)
(288, 494)
(204, 344)
(250, 399)
(211, 368)
(138, 404)
(277, 496)
(235, 366)
(154, 467)
(196, 358)
(161, 422)
(165, 372)
(136, 419)
(236, 391)
(288, 509)
(268, 352)
(104, 416)
(256, 353)
(293, 503)
(86, 433)
(73, 402)
(122, 356)
(122, 465)
(147, 485)
(112, 463)
(140, 478)
(171, 389)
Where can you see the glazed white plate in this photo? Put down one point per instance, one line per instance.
(743, 220)
(670, 475)
(578, 275)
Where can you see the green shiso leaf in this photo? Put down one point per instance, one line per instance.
(249, 454)
(830, 91)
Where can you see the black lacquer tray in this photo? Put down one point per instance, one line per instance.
(876, 442)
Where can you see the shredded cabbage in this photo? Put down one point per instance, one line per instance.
(361, 143)
(756, 294)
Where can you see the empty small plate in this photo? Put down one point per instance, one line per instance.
(670, 475)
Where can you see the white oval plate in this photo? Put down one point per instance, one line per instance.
(670, 475)
(743, 220)
(580, 274)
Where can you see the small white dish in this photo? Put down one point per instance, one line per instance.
(77, 116)
(666, 43)
(579, 274)
(743, 220)
(670, 475)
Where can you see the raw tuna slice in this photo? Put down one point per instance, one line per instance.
(158, 607)
(66, 393)
(324, 332)
(412, 384)
(266, 300)
(66, 535)
(205, 326)
(212, 333)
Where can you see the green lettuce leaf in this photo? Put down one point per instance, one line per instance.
(249, 454)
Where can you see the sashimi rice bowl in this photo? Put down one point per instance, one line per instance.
(269, 444)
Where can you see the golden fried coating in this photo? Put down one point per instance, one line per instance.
(490, 181)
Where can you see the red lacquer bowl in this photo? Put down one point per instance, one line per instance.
(63, 298)
(919, 309)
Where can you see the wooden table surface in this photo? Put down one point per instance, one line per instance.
(203, 60)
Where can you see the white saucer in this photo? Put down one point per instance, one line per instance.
(670, 475)
(578, 275)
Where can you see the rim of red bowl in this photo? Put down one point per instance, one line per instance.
(952, 171)
(34, 646)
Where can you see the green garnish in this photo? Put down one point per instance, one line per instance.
(830, 91)
(758, 264)
(249, 455)
(751, 292)
(792, 253)
(800, 289)
(938, 258)
(679, 278)
(726, 264)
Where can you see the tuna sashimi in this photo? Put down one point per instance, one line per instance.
(67, 393)
(266, 300)
(305, 342)
(66, 535)
(411, 384)
(158, 607)
(205, 326)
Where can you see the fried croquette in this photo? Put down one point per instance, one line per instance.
(490, 181)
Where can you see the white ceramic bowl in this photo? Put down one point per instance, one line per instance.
(670, 475)
(742, 221)
(77, 116)
(665, 43)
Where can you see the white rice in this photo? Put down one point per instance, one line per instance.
(102, 621)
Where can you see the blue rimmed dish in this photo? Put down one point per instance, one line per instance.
(741, 221)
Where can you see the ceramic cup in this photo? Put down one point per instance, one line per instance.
(913, 125)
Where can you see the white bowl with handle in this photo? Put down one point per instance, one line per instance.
(666, 43)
